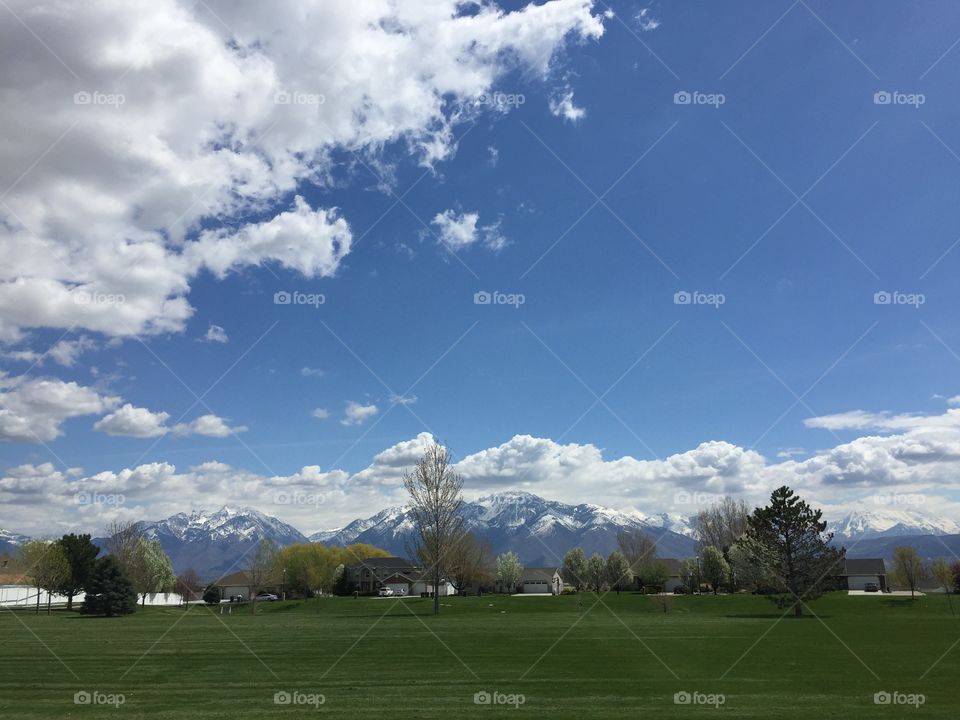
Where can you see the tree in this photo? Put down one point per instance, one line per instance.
(955, 569)
(722, 524)
(467, 561)
(211, 596)
(655, 575)
(509, 570)
(746, 569)
(575, 568)
(262, 569)
(787, 537)
(690, 576)
(714, 567)
(188, 584)
(908, 568)
(618, 570)
(81, 554)
(150, 568)
(435, 499)
(596, 572)
(123, 538)
(943, 574)
(109, 590)
(46, 565)
(637, 548)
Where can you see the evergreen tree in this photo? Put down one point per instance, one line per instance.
(109, 590)
(81, 555)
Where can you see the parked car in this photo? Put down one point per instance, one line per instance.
(679, 590)
(871, 587)
(236, 598)
(266, 597)
(385, 592)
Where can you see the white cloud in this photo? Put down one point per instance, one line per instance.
(357, 414)
(217, 334)
(562, 106)
(130, 421)
(954, 401)
(33, 409)
(402, 399)
(63, 352)
(312, 372)
(460, 230)
(208, 426)
(320, 413)
(646, 21)
(154, 121)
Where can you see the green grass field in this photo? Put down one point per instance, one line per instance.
(390, 658)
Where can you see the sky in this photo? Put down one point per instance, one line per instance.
(636, 254)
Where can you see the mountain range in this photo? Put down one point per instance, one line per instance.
(540, 531)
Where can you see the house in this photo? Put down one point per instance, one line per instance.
(239, 583)
(398, 574)
(541, 580)
(861, 571)
(674, 567)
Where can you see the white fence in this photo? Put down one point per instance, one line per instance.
(26, 596)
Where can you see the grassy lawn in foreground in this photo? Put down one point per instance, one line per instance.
(391, 658)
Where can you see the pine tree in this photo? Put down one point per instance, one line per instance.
(109, 590)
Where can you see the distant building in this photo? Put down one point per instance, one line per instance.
(859, 572)
(541, 580)
(402, 576)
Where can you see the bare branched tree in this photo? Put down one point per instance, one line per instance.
(722, 524)
(638, 548)
(123, 538)
(262, 570)
(435, 499)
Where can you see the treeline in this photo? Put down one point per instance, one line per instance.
(310, 569)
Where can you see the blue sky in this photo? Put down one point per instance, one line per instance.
(796, 200)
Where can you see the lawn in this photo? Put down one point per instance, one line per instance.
(390, 658)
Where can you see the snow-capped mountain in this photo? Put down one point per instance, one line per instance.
(10, 541)
(216, 543)
(863, 524)
(539, 530)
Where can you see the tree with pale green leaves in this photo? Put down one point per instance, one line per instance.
(619, 573)
(714, 568)
(45, 563)
(509, 570)
(943, 574)
(575, 568)
(596, 572)
(150, 569)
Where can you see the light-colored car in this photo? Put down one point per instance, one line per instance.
(266, 597)
(386, 592)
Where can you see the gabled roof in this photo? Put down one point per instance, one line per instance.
(398, 578)
(865, 566)
(238, 579)
(382, 562)
(538, 574)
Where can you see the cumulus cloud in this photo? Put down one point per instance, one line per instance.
(312, 372)
(562, 106)
(460, 230)
(63, 352)
(357, 414)
(208, 426)
(173, 136)
(217, 334)
(33, 409)
(130, 421)
(320, 413)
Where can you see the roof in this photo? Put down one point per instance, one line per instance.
(865, 566)
(538, 574)
(241, 578)
(398, 578)
(382, 562)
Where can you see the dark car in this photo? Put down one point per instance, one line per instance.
(871, 587)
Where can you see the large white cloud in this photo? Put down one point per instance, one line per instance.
(129, 124)
(33, 409)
